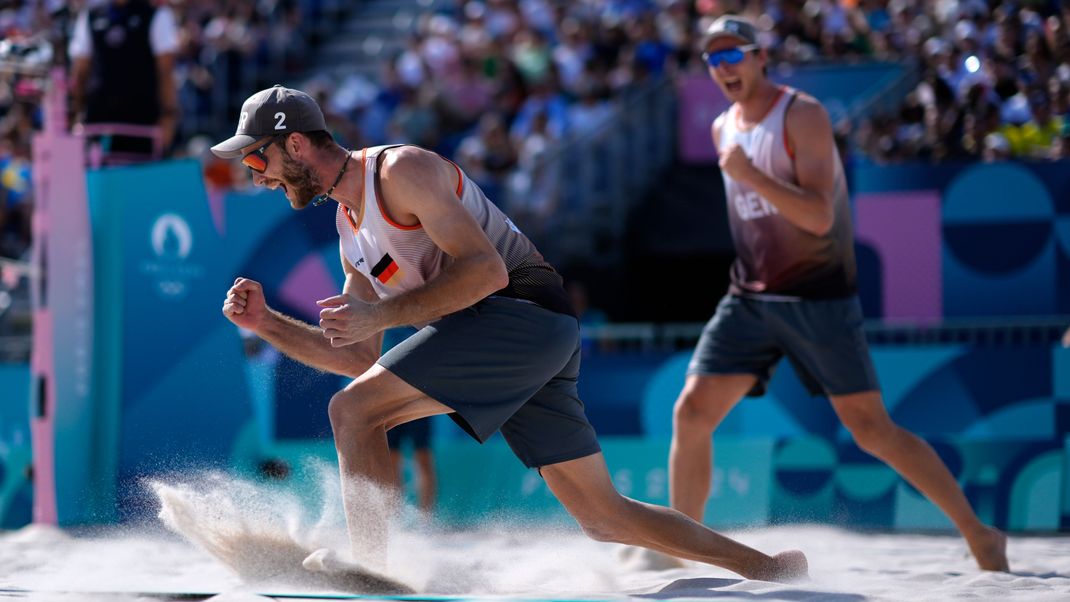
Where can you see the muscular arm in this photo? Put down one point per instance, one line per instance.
(809, 204)
(420, 187)
(306, 343)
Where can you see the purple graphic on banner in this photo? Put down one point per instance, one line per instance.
(701, 101)
(309, 281)
(904, 229)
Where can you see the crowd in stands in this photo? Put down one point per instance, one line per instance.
(995, 83)
(222, 50)
(495, 84)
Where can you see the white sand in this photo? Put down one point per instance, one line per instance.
(510, 559)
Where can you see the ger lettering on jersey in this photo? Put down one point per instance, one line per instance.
(774, 256)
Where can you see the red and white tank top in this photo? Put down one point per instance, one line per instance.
(397, 258)
(776, 258)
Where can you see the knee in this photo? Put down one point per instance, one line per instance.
(607, 530)
(348, 410)
(872, 434)
(598, 531)
(692, 413)
(609, 526)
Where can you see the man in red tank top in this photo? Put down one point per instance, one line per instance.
(793, 292)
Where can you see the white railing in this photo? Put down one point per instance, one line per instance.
(977, 332)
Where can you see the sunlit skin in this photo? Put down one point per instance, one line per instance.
(289, 168)
(744, 82)
(807, 201)
(419, 188)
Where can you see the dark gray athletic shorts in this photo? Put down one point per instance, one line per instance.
(508, 365)
(823, 340)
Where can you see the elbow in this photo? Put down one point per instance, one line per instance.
(823, 221)
(822, 227)
(497, 274)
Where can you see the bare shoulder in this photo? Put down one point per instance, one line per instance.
(408, 161)
(410, 169)
(715, 128)
(807, 113)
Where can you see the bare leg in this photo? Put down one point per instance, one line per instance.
(702, 405)
(360, 415)
(873, 429)
(425, 466)
(583, 486)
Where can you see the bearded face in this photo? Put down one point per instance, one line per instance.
(300, 182)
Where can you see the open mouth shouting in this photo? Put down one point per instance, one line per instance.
(733, 85)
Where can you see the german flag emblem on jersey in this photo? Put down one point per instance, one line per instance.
(386, 270)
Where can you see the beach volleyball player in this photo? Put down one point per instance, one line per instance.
(498, 345)
(792, 289)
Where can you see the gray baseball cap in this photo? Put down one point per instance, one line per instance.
(276, 110)
(731, 26)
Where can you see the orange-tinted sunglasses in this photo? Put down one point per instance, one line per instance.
(256, 160)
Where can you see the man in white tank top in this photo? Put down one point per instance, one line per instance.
(793, 289)
(420, 244)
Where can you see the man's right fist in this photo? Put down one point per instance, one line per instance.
(245, 305)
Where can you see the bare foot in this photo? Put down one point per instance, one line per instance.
(786, 567)
(989, 548)
(322, 560)
(644, 559)
(335, 573)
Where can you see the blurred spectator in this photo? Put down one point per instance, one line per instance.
(591, 113)
(994, 80)
(1033, 139)
(572, 53)
(488, 155)
(531, 54)
(548, 99)
(467, 95)
(1060, 147)
(415, 121)
(534, 186)
(123, 58)
(996, 148)
(976, 126)
(503, 17)
(650, 51)
(15, 195)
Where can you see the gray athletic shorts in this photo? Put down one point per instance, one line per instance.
(508, 365)
(823, 340)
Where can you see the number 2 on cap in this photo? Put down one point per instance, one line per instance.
(281, 125)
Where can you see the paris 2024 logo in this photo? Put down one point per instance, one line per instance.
(169, 267)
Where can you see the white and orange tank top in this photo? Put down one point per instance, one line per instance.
(774, 257)
(397, 258)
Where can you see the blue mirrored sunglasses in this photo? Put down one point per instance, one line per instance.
(730, 56)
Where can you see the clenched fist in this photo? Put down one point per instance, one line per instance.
(245, 305)
(735, 163)
(346, 320)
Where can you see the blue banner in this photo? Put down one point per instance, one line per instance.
(16, 491)
(963, 240)
(171, 367)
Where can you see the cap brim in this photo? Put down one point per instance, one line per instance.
(231, 147)
(723, 34)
